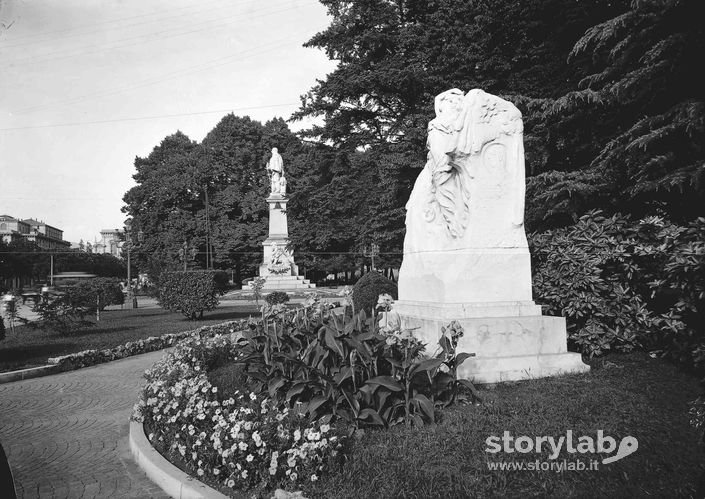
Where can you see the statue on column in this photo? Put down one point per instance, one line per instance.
(275, 168)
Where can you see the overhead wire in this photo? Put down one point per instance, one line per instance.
(168, 76)
(144, 38)
(140, 118)
(43, 37)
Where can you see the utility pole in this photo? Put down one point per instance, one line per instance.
(131, 298)
(209, 257)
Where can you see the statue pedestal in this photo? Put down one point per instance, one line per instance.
(512, 340)
(278, 239)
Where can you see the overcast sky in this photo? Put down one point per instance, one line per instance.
(81, 81)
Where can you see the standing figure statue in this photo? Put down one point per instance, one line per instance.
(282, 186)
(275, 167)
(449, 189)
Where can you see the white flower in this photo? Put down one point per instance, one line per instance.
(314, 478)
(324, 429)
(216, 471)
(244, 474)
(250, 458)
(200, 472)
(297, 435)
(230, 483)
(293, 477)
(253, 396)
(242, 446)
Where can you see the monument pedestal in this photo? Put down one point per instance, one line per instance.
(512, 340)
(278, 267)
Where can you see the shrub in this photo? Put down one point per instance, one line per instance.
(222, 281)
(276, 298)
(190, 292)
(256, 285)
(368, 288)
(97, 293)
(65, 313)
(624, 284)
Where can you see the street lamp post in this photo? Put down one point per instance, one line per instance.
(131, 298)
(371, 252)
(186, 254)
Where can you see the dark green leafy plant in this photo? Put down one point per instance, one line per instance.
(276, 298)
(624, 284)
(98, 293)
(189, 292)
(350, 370)
(368, 288)
(65, 313)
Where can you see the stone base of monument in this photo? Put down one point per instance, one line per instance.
(284, 282)
(287, 283)
(511, 340)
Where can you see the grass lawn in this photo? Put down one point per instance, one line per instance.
(29, 347)
(628, 395)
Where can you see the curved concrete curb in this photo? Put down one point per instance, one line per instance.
(171, 479)
(32, 372)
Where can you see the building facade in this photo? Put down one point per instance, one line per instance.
(111, 241)
(12, 229)
(45, 236)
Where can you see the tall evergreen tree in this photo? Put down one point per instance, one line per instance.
(641, 83)
(396, 55)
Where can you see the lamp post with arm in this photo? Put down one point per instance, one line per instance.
(371, 252)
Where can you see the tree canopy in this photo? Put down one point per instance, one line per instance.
(610, 91)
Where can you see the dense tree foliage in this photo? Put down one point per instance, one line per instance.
(642, 84)
(610, 91)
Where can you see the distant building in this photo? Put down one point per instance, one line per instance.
(110, 242)
(43, 235)
(12, 229)
(46, 236)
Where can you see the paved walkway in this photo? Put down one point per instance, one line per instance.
(66, 435)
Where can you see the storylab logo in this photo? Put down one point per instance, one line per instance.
(604, 445)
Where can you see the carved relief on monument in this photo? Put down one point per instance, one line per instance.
(280, 261)
(471, 190)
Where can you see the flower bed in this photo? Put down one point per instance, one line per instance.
(88, 358)
(243, 442)
(303, 369)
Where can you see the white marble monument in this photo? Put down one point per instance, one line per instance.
(466, 256)
(278, 265)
